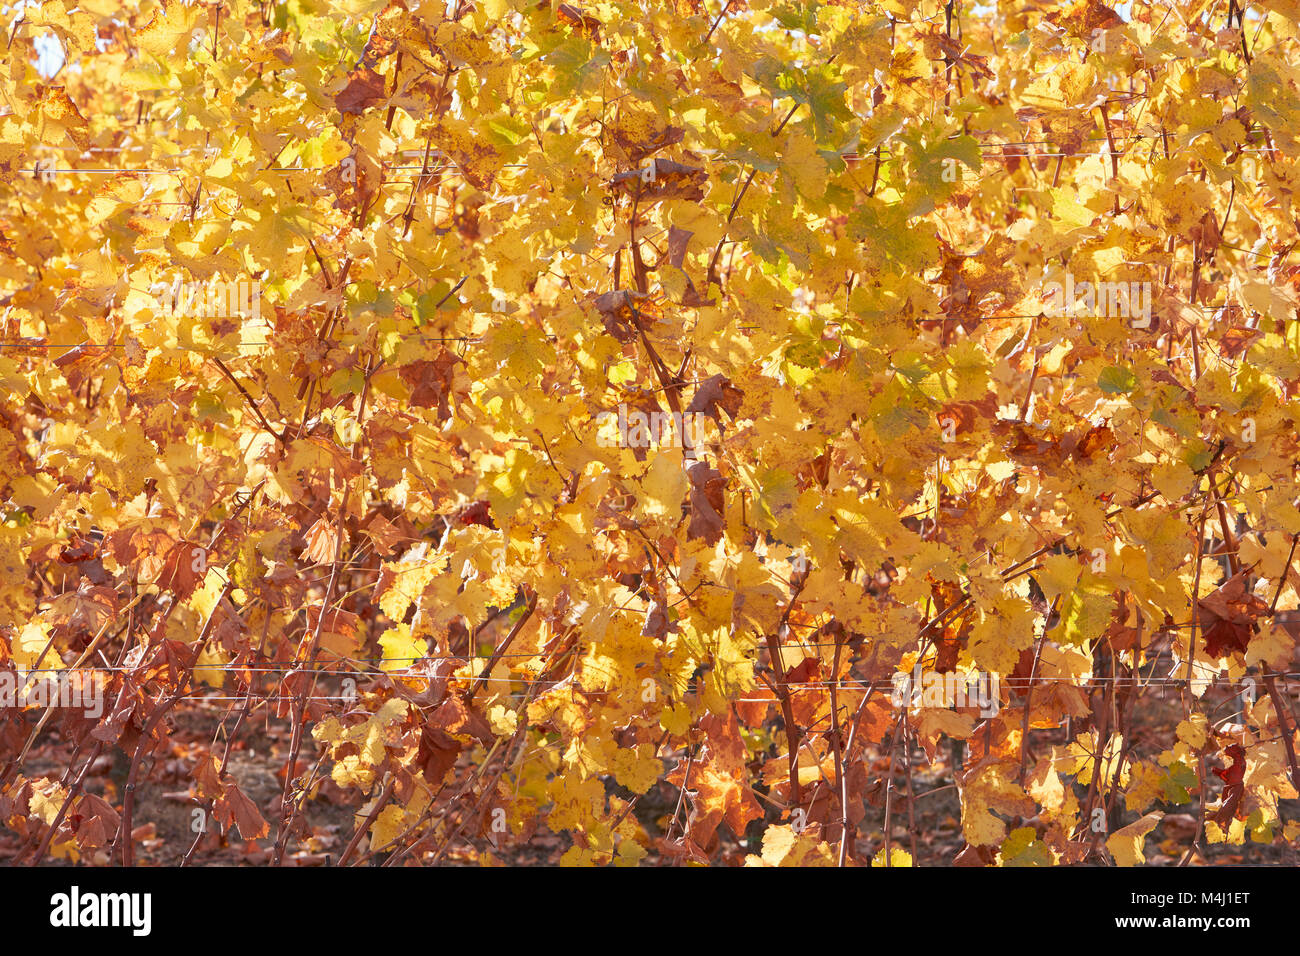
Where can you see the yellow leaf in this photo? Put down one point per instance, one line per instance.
(1125, 845)
(897, 857)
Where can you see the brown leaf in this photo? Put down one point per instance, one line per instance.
(876, 721)
(354, 181)
(1228, 616)
(384, 535)
(334, 621)
(692, 299)
(1082, 17)
(77, 550)
(234, 806)
(81, 363)
(962, 417)
(477, 513)
(86, 608)
(1206, 233)
(623, 311)
(638, 135)
(94, 821)
(975, 856)
(718, 782)
(184, 569)
(656, 621)
(1234, 786)
(431, 382)
(435, 754)
(1098, 439)
(645, 404)
(207, 777)
(453, 717)
(716, 393)
(438, 745)
(574, 16)
(322, 542)
(1028, 444)
(678, 239)
(364, 89)
(662, 179)
(110, 727)
(143, 551)
(1236, 340)
(940, 46)
(436, 674)
(706, 503)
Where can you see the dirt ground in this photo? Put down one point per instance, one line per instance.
(166, 817)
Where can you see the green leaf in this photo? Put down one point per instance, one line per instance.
(1179, 778)
(798, 16)
(1117, 380)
